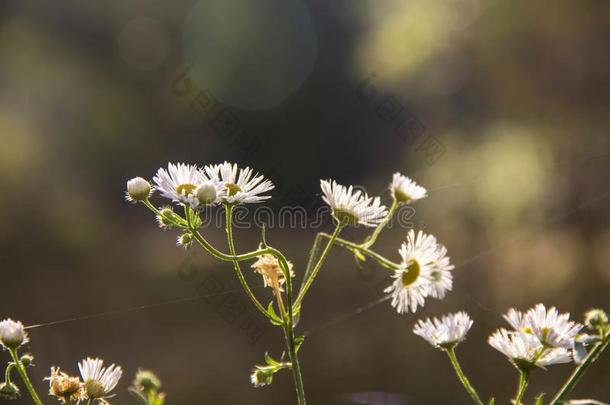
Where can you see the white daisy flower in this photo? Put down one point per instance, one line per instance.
(406, 190)
(352, 207)
(441, 276)
(550, 327)
(239, 185)
(421, 255)
(448, 331)
(179, 183)
(99, 381)
(526, 351)
(12, 334)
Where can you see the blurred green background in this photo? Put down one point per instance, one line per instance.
(499, 108)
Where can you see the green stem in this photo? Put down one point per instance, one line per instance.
(577, 374)
(354, 246)
(371, 240)
(462, 377)
(314, 272)
(240, 275)
(523, 380)
(312, 255)
(7, 373)
(24, 376)
(296, 368)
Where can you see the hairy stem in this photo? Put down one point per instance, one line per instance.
(371, 240)
(24, 376)
(523, 381)
(462, 377)
(314, 272)
(236, 266)
(577, 374)
(367, 252)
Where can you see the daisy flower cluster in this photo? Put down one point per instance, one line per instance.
(95, 385)
(199, 186)
(538, 338)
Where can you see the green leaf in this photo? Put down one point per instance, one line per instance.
(492, 401)
(273, 316)
(271, 361)
(298, 341)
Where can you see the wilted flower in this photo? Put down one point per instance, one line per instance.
(406, 190)
(138, 189)
(351, 207)
(98, 380)
(12, 334)
(421, 256)
(448, 331)
(66, 388)
(238, 185)
(269, 267)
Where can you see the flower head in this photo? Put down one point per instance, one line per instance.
(8, 390)
(405, 190)
(238, 185)
(596, 318)
(351, 207)
(12, 334)
(550, 328)
(179, 183)
(269, 267)
(448, 331)
(65, 388)
(138, 189)
(99, 381)
(423, 272)
(525, 351)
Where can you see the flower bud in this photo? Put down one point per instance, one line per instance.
(261, 376)
(12, 334)
(596, 318)
(206, 193)
(165, 218)
(138, 189)
(147, 380)
(27, 360)
(185, 240)
(8, 390)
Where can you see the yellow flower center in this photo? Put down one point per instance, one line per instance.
(186, 188)
(233, 189)
(402, 197)
(411, 273)
(345, 217)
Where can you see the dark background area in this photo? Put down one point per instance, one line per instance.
(500, 109)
